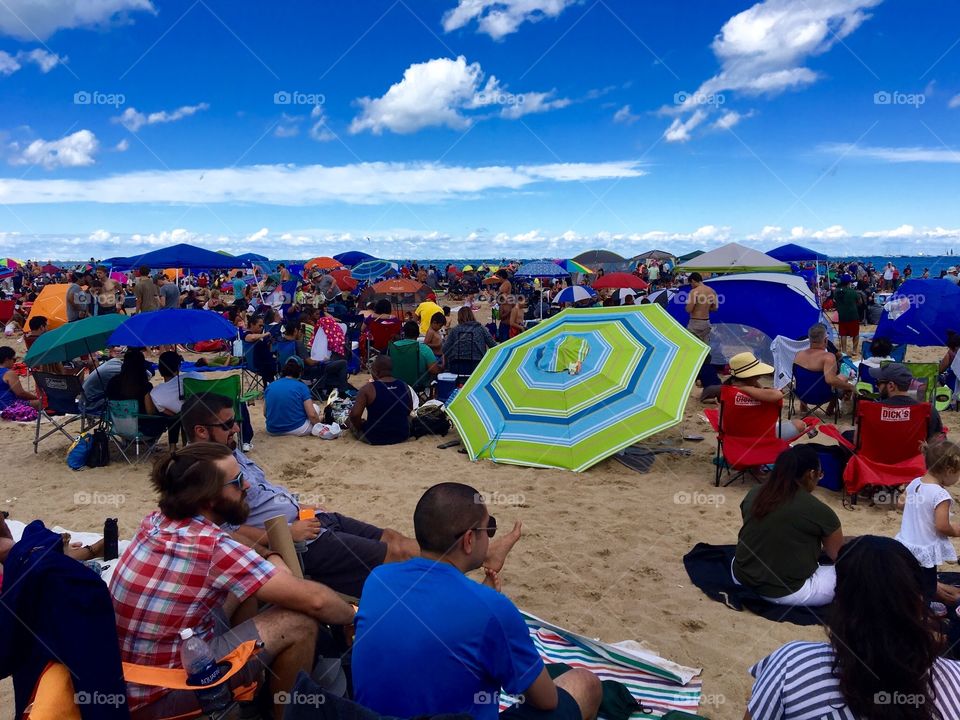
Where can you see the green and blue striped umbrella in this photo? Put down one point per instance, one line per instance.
(578, 388)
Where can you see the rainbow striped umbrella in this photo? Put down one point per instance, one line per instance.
(578, 388)
(572, 266)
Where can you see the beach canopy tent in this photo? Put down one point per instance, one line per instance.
(753, 309)
(181, 255)
(797, 253)
(578, 388)
(51, 303)
(169, 327)
(353, 257)
(653, 255)
(74, 339)
(920, 312)
(540, 269)
(690, 256)
(605, 260)
(252, 258)
(734, 258)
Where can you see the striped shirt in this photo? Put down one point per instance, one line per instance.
(797, 682)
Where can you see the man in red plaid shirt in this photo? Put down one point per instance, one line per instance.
(183, 571)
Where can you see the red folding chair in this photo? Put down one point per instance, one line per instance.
(887, 452)
(378, 336)
(748, 435)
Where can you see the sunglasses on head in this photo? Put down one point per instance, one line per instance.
(226, 425)
(238, 481)
(491, 528)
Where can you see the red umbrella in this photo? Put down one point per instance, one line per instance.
(620, 280)
(397, 286)
(344, 280)
(322, 263)
(50, 269)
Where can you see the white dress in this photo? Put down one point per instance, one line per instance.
(918, 531)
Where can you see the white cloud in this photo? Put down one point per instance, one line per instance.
(290, 185)
(625, 115)
(893, 154)
(133, 120)
(954, 102)
(319, 130)
(122, 146)
(30, 19)
(288, 126)
(499, 18)
(763, 50)
(76, 150)
(438, 93)
(729, 119)
(44, 60)
(679, 130)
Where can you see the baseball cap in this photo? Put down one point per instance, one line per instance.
(894, 372)
(846, 278)
(295, 359)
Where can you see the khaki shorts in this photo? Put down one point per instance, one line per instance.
(700, 329)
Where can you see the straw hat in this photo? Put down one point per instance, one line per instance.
(745, 365)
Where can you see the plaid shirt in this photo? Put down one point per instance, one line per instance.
(173, 576)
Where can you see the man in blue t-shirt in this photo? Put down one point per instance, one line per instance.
(239, 286)
(430, 640)
(288, 405)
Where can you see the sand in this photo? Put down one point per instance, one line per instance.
(600, 554)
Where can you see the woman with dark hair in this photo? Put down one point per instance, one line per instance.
(953, 345)
(882, 661)
(785, 530)
(133, 383)
(466, 344)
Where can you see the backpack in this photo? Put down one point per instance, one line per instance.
(99, 455)
(430, 420)
(79, 451)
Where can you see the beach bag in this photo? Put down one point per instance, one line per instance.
(430, 420)
(79, 451)
(99, 450)
(338, 412)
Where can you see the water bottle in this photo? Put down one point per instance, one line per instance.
(111, 539)
(202, 671)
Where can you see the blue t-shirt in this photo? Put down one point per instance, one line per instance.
(283, 400)
(238, 287)
(447, 646)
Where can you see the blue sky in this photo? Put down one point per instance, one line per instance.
(476, 128)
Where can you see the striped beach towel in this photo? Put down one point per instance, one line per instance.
(658, 684)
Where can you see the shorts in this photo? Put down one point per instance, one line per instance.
(700, 329)
(177, 703)
(567, 709)
(850, 328)
(345, 554)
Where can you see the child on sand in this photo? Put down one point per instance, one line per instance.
(926, 528)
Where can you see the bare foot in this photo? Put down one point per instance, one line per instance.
(499, 549)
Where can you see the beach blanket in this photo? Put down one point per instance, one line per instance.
(709, 569)
(84, 538)
(659, 685)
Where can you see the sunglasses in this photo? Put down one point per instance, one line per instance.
(491, 528)
(226, 425)
(238, 481)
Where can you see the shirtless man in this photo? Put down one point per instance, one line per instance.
(107, 298)
(818, 358)
(701, 302)
(517, 325)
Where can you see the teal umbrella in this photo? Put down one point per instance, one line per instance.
(73, 339)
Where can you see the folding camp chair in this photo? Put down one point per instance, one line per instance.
(897, 354)
(60, 395)
(285, 349)
(379, 334)
(887, 452)
(127, 427)
(811, 388)
(925, 376)
(229, 387)
(408, 365)
(748, 434)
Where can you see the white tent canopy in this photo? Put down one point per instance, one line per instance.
(734, 257)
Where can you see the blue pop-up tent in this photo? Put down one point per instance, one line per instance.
(754, 308)
(797, 253)
(180, 255)
(920, 312)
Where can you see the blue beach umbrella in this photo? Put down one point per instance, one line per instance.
(169, 327)
(575, 294)
(353, 257)
(373, 269)
(541, 269)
